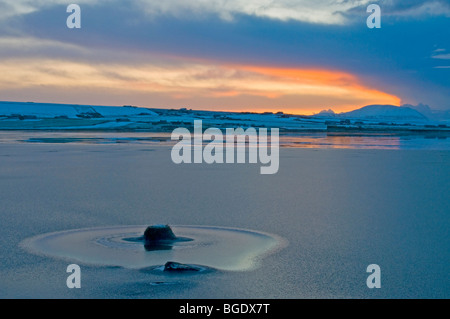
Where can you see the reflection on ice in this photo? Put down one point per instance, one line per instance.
(317, 140)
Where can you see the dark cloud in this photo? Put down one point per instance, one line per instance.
(396, 58)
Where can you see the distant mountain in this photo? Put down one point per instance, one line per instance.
(422, 108)
(326, 113)
(385, 113)
(435, 115)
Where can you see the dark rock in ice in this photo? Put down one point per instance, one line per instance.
(172, 266)
(157, 233)
(160, 237)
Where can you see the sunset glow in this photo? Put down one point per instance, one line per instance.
(203, 85)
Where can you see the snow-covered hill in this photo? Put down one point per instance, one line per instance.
(386, 113)
(71, 111)
(44, 116)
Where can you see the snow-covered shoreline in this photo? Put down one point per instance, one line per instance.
(45, 116)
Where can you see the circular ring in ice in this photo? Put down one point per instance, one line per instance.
(217, 247)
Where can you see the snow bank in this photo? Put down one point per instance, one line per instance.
(46, 110)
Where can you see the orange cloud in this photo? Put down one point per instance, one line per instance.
(325, 83)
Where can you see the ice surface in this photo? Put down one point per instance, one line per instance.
(340, 210)
(216, 247)
(349, 201)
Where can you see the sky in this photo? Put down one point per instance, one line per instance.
(295, 56)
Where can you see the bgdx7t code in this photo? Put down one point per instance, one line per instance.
(246, 308)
